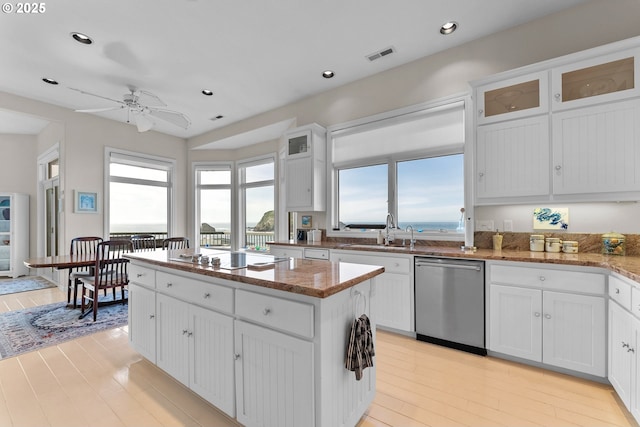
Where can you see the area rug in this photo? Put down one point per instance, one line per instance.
(38, 327)
(23, 284)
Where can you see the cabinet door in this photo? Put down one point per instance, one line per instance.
(620, 358)
(142, 321)
(515, 324)
(574, 332)
(513, 159)
(597, 149)
(211, 362)
(603, 79)
(513, 98)
(274, 378)
(172, 347)
(299, 177)
(393, 301)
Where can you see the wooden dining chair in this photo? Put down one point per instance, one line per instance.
(143, 242)
(80, 247)
(172, 243)
(111, 272)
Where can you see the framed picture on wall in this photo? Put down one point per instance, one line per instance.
(85, 202)
(306, 221)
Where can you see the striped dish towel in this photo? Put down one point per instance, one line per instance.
(360, 349)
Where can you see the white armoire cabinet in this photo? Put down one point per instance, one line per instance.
(305, 168)
(14, 234)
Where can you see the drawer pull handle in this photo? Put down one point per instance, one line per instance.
(631, 350)
(189, 334)
(139, 275)
(207, 295)
(185, 332)
(169, 285)
(547, 316)
(266, 311)
(152, 316)
(624, 344)
(236, 356)
(537, 314)
(617, 291)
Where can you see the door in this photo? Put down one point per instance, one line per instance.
(51, 207)
(574, 332)
(515, 321)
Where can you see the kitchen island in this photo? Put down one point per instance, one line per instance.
(262, 338)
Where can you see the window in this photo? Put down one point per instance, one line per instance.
(213, 205)
(409, 164)
(139, 194)
(257, 201)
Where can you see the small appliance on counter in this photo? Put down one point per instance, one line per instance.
(301, 235)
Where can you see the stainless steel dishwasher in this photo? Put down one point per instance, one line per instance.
(449, 296)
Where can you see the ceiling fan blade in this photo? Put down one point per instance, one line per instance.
(99, 110)
(97, 96)
(148, 99)
(172, 117)
(143, 122)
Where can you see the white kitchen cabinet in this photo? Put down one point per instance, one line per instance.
(512, 160)
(551, 316)
(513, 98)
(274, 378)
(621, 360)
(142, 321)
(14, 234)
(195, 346)
(394, 306)
(305, 168)
(597, 150)
(604, 78)
(286, 251)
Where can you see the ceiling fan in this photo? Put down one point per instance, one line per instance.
(142, 107)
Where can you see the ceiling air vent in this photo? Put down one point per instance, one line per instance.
(379, 54)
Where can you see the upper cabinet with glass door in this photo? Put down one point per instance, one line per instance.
(606, 78)
(513, 98)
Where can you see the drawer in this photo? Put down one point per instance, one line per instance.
(142, 275)
(555, 280)
(285, 315)
(316, 253)
(204, 294)
(285, 251)
(620, 291)
(390, 264)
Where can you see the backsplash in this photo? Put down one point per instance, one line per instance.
(587, 242)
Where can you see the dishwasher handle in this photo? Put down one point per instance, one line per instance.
(459, 266)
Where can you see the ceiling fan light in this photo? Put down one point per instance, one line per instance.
(143, 122)
(81, 38)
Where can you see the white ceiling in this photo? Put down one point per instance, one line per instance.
(255, 55)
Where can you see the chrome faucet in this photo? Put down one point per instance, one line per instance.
(388, 237)
(412, 242)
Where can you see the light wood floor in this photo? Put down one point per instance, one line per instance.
(98, 380)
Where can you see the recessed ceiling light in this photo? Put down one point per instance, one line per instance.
(448, 27)
(207, 92)
(328, 74)
(81, 38)
(50, 81)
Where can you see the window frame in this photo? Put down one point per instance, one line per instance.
(144, 160)
(390, 118)
(210, 166)
(241, 188)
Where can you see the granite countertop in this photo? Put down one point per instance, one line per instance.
(628, 266)
(313, 278)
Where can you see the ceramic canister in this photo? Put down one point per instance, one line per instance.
(536, 243)
(570, 246)
(553, 244)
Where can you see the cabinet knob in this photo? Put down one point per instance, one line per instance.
(236, 356)
(189, 334)
(631, 350)
(184, 332)
(169, 285)
(617, 290)
(139, 275)
(207, 295)
(557, 97)
(480, 111)
(542, 278)
(481, 174)
(624, 344)
(547, 316)
(152, 316)
(266, 311)
(537, 314)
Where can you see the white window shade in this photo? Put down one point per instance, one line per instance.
(435, 130)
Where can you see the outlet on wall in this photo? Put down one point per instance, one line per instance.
(484, 225)
(507, 225)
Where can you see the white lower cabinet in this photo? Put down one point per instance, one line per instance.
(274, 377)
(142, 321)
(195, 346)
(538, 322)
(394, 305)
